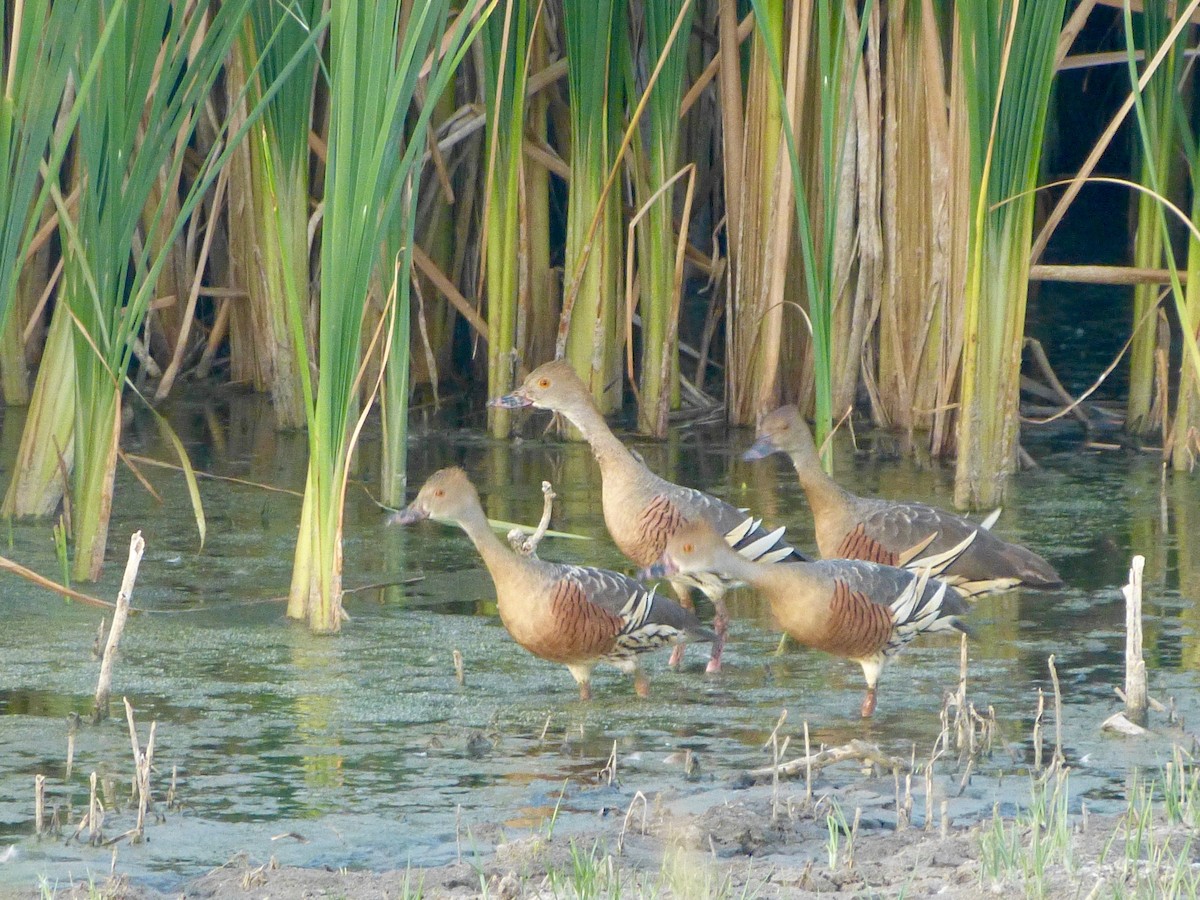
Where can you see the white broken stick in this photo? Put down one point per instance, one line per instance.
(137, 546)
(524, 544)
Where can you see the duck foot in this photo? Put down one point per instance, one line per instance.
(868, 704)
(676, 659)
(720, 626)
(641, 684)
(585, 691)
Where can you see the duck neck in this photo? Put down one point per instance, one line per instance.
(498, 557)
(735, 566)
(610, 453)
(823, 492)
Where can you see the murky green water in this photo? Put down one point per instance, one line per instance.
(361, 750)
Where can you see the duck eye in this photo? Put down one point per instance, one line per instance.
(543, 382)
(439, 493)
(687, 548)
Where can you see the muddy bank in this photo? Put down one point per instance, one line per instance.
(767, 841)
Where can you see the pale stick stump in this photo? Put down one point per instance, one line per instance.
(1133, 720)
(137, 546)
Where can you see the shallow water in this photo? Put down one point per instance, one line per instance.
(361, 750)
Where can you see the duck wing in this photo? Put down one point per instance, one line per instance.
(647, 619)
(868, 594)
(742, 531)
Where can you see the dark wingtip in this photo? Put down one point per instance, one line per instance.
(760, 449)
(701, 635)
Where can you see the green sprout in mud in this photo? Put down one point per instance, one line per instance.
(1034, 840)
(835, 821)
(591, 875)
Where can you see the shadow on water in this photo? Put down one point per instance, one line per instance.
(363, 751)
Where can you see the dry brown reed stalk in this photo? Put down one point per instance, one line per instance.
(93, 819)
(1058, 760)
(919, 236)
(859, 242)
(759, 208)
(143, 762)
(184, 329)
(609, 772)
(777, 751)
(460, 674)
(628, 814)
(7, 565)
(137, 546)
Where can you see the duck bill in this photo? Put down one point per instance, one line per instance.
(760, 449)
(664, 568)
(515, 400)
(407, 516)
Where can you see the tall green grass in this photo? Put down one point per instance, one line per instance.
(1160, 26)
(1159, 128)
(667, 25)
(505, 42)
(278, 189)
(1008, 52)
(377, 53)
(37, 49)
(153, 80)
(587, 334)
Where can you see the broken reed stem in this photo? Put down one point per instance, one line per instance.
(93, 816)
(959, 717)
(610, 769)
(1135, 667)
(460, 674)
(1037, 731)
(628, 813)
(776, 756)
(39, 804)
(1059, 758)
(526, 545)
(171, 791)
(137, 546)
(141, 770)
(73, 721)
(807, 767)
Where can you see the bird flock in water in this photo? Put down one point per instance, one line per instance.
(890, 570)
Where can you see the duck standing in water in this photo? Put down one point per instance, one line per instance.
(642, 510)
(575, 615)
(893, 531)
(857, 610)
